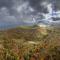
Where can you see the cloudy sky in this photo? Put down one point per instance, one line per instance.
(25, 12)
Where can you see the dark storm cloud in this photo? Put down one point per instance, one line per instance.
(36, 4)
(6, 3)
(6, 8)
(17, 11)
(57, 4)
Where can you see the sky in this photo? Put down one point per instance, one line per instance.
(26, 12)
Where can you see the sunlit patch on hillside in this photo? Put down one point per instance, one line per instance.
(43, 29)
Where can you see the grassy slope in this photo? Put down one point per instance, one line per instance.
(18, 41)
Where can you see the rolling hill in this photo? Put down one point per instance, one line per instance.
(18, 43)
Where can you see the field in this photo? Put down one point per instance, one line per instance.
(30, 44)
